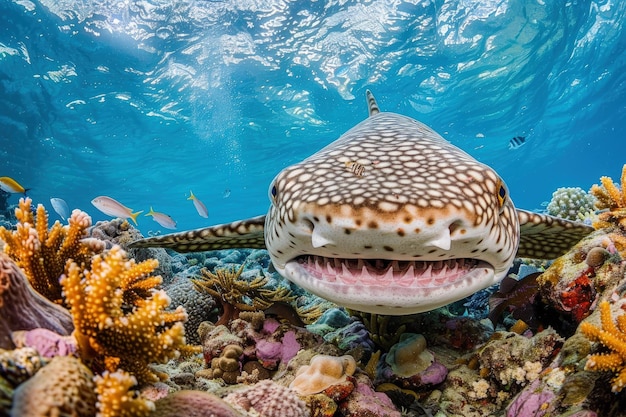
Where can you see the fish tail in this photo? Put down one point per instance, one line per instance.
(191, 196)
(134, 216)
(151, 213)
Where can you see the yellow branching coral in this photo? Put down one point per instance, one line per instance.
(232, 292)
(613, 337)
(609, 195)
(115, 325)
(116, 399)
(42, 252)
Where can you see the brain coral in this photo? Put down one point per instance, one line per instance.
(570, 203)
(193, 404)
(64, 387)
(269, 399)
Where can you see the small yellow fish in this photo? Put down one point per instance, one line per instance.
(200, 207)
(9, 185)
(162, 219)
(356, 168)
(114, 208)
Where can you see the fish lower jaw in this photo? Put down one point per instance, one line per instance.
(389, 286)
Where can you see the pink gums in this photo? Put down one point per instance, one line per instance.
(377, 272)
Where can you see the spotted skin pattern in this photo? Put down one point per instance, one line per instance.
(420, 225)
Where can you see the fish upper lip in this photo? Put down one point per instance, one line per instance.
(399, 273)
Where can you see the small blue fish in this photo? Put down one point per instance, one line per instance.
(163, 219)
(60, 206)
(226, 193)
(517, 142)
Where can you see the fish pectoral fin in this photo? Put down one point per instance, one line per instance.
(548, 237)
(247, 233)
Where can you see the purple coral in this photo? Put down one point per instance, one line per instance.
(48, 343)
(366, 402)
(21, 308)
(531, 402)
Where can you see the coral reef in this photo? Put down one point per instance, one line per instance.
(613, 337)
(119, 316)
(42, 253)
(21, 308)
(570, 286)
(120, 232)
(570, 203)
(64, 387)
(115, 398)
(269, 399)
(231, 292)
(198, 305)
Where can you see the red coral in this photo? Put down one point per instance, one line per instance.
(579, 295)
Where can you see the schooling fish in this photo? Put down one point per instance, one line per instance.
(162, 219)
(199, 205)
(517, 142)
(60, 206)
(114, 208)
(9, 185)
(426, 224)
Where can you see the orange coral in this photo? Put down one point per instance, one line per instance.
(614, 338)
(42, 252)
(609, 195)
(116, 324)
(115, 398)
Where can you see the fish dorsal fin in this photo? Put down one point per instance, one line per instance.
(240, 234)
(372, 106)
(547, 237)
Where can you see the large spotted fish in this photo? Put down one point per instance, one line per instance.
(391, 219)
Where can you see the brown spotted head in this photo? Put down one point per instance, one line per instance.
(392, 219)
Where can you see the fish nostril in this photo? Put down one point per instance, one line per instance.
(308, 224)
(454, 226)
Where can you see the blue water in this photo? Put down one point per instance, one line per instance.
(144, 101)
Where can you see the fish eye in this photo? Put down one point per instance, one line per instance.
(273, 192)
(502, 194)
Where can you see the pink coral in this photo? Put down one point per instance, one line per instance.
(365, 402)
(269, 399)
(48, 343)
(21, 308)
(193, 404)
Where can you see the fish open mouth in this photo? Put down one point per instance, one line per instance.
(397, 273)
